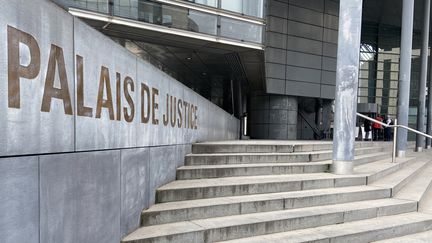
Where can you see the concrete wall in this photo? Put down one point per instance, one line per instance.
(75, 177)
(301, 46)
(273, 116)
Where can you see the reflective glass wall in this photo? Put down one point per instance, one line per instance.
(170, 15)
(379, 69)
(253, 8)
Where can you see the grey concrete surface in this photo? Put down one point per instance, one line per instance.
(361, 231)
(80, 197)
(135, 187)
(162, 168)
(240, 226)
(225, 206)
(19, 200)
(41, 132)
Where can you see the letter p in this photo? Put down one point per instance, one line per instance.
(15, 69)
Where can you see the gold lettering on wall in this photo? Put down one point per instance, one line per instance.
(82, 110)
(118, 97)
(56, 57)
(104, 81)
(173, 113)
(155, 93)
(186, 110)
(177, 112)
(145, 93)
(196, 118)
(15, 69)
(166, 115)
(129, 116)
(179, 108)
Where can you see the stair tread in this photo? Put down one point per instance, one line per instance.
(232, 221)
(396, 178)
(251, 165)
(274, 153)
(416, 189)
(332, 231)
(279, 142)
(379, 165)
(262, 142)
(256, 197)
(245, 180)
(417, 238)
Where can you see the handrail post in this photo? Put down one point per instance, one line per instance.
(394, 141)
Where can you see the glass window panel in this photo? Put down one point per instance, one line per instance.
(170, 16)
(93, 5)
(253, 8)
(211, 3)
(126, 8)
(232, 5)
(241, 30)
(202, 22)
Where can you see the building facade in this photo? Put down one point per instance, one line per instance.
(102, 99)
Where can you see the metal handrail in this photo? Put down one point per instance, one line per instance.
(395, 127)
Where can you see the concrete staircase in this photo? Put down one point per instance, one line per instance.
(281, 191)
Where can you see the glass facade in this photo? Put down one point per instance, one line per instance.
(184, 18)
(246, 7)
(210, 3)
(94, 5)
(254, 8)
(379, 69)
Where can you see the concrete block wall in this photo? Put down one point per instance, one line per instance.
(70, 178)
(83, 197)
(301, 46)
(273, 116)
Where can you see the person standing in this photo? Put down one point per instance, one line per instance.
(367, 129)
(387, 130)
(376, 128)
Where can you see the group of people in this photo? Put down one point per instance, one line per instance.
(378, 131)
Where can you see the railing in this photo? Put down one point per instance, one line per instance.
(395, 127)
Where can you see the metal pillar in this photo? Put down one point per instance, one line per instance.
(429, 110)
(405, 74)
(420, 140)
(350, 19)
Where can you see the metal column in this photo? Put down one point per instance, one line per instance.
(350, 19)
(429, 111)
(420, 140)
(405, 74)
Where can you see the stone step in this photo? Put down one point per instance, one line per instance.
(396, 181)
(359, 231)
(381, 168)
(425, 237)
(260, 146)
(231, 170)
(270, 146)
(368, 158)
(224, 206)
(425, 204)
(235, 186)
(240, 226)
(416, 189)
(243, 158)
